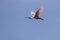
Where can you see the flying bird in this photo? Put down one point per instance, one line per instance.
(37, 15)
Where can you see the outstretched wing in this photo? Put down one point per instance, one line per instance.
(38, 12)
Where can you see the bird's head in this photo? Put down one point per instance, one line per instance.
(32, 13)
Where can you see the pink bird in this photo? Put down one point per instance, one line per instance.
(37, 15)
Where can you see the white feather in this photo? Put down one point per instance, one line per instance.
(32, 13)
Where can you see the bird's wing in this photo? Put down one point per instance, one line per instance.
(38, 12)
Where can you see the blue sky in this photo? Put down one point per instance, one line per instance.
(14, 25)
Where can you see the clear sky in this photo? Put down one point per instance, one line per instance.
(14, 25)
